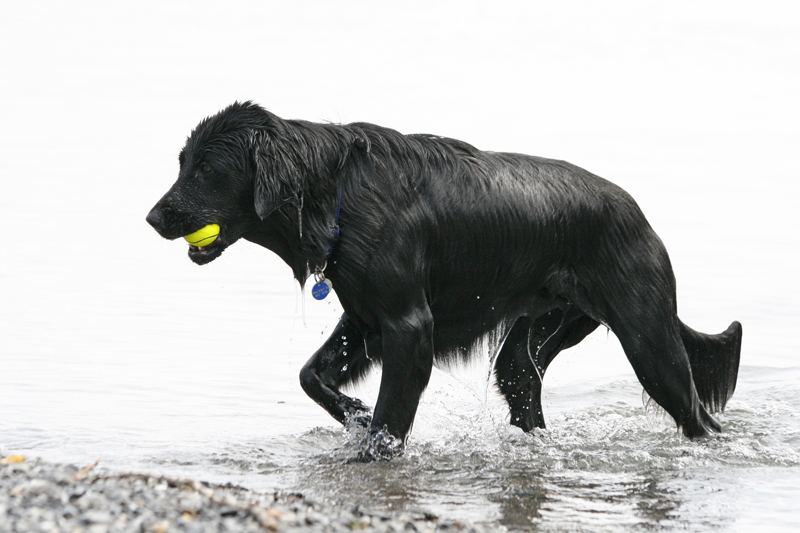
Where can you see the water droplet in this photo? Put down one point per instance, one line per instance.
(344, 353)
(344, 368)
(303, 303)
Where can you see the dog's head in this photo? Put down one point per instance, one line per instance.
(223, 179)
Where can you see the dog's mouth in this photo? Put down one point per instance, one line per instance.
(206, 254)
(206, 244)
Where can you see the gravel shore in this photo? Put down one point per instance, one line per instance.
(39, 497)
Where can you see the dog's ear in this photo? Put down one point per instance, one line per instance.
(263, 194)
(277, 179)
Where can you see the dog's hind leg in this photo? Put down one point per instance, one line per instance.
(518, 379)
(715, 363)
(343, 359)
(528, 350)
(648, 329)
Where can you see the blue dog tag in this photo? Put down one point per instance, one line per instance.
(320, 290)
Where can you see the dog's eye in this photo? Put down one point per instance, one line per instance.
(205, 167)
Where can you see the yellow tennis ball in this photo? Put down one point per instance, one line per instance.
(203, 236)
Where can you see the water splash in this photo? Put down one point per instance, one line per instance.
(380, 445)
(657, 416)
(602, 462)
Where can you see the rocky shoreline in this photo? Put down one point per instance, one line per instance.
(36, 496)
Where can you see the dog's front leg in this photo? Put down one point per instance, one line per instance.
(407, 363)
(341, 360)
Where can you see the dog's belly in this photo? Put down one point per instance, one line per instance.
(463, 322)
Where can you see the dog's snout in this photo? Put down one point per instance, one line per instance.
(154, 218)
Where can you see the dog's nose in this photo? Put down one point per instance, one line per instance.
(154, 218)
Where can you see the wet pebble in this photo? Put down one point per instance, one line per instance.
(36, 496)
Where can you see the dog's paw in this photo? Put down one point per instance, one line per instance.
(357, 415)
(358, 419)
(379, 445)
(357, 423)
(354, 404)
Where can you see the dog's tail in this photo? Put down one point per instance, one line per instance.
(715, 363)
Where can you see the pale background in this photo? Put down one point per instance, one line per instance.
(114, 346)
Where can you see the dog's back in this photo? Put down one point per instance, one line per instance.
(491, 236)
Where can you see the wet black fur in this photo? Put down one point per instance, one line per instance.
(442, 244)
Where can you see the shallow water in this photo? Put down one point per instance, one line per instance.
(113, 346)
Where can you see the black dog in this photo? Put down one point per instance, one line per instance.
(431, 246)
